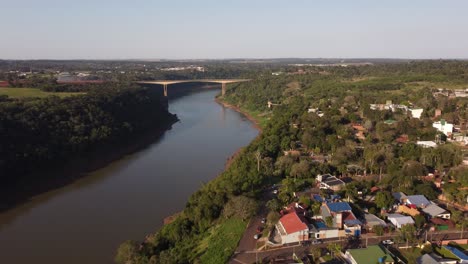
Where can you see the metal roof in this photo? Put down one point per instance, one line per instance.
(339, 207)
(418, 200)
(434, 210)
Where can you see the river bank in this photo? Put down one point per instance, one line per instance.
(248, 115)
(86, 220)
(77, 167)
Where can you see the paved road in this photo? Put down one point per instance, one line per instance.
(250, 256)
(247, 242)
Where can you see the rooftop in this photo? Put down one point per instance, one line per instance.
(292, 223)
(434, 210)
(418, 200)
(339, 207)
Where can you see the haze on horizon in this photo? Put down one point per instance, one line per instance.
(203, 29)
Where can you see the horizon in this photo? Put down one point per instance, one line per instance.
(209, 30)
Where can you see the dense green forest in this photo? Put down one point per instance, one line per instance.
(41, 133)
(343, 96)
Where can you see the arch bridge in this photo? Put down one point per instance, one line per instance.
(223, 83)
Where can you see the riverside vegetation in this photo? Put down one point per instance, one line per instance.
(213, 221)
(38, 134)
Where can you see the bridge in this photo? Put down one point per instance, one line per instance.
(223, 83)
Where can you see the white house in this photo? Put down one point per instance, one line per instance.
(292, 228)
(443, 127)
(416, 112)
(426, 144)
(399, 220)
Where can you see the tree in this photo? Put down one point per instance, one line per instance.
(273, 205)
(258, 156)
(273, 217)
(126, 252)
(240, 206)
(420, 221)
(301, 169)
(408, 233)
(379, 230)
(329, 221)
(384, 199)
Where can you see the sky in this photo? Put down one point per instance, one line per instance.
(217, 29)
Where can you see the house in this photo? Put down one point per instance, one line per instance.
(373, 221)
(402, 139)
(342, 216)
(463, 258)
(434, 211)
(370, 255)
(419, 200)
(327, 181)
(434, 259)
(408, 210)
(400, 197)
(441, 224)
(416, 112)
(443, 127)
(399, 220)
(292, 228)
(426, 144)
(292, 153)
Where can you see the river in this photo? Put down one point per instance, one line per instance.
(84, 222)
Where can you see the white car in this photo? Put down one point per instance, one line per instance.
(388, 242)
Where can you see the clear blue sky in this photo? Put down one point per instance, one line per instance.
(175, 29)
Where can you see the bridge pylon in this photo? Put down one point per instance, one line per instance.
(223, 88)
(165, 89)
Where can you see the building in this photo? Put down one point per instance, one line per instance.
(434, 259)
(463, 258)
(327, 181)
(426, 144)
(370, 255)
(408, 210)
(400, 197)
(373, 221)
(419, 201)
(399, 220)
(416, 112)
(292, 228)
(434, 211)
(443, 127)
(342, 216)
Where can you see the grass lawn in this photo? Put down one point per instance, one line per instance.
(222, 241)
(444, 253)
(31, 92)
(411, 254)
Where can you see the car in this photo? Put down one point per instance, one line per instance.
(257, 236)
(263, 220)
(317, 241)
(259, 229)
(388, 242)
(275, 191)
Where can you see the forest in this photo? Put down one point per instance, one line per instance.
(41, 133)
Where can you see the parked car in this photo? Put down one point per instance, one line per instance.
(275, 191)
(317, 241)
(263, 220)
(257, 236)
(259, 229)
(388, 242)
